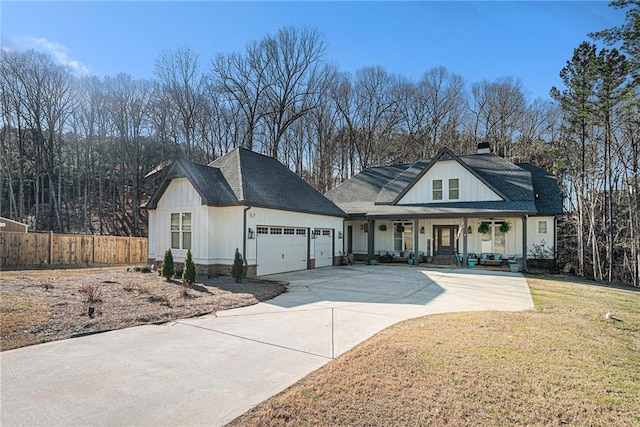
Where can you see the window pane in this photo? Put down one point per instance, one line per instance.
(446, 236)
(499, 243)
(454, 191)
(437, 189)
(186, 222)
(542, 227)
(186, 240)
(175, 222)
(175, 240)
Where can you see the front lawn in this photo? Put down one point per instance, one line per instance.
(562, 363)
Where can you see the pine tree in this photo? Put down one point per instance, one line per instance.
(189, 273)
(237, 271)
(167, 265)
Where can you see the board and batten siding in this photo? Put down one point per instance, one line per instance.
(471, 188)
(216, 232)
(179, 197)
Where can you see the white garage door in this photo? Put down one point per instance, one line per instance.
(281, 249)
(323, 247)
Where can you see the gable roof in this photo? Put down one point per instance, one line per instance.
(359, 196)
(243, 177)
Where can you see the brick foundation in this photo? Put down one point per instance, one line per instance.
(210, 270)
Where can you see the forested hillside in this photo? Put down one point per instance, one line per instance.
(75, 150)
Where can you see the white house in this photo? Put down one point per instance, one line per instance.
(426, 210)
(436, 206)
(243, 201)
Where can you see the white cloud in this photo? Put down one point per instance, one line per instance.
(59, 52)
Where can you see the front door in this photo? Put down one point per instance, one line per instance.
(444, 237)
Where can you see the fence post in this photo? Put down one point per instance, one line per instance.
(51, 247)
(93, 248)
(129, 250)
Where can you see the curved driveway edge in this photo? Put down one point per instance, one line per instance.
(209, 370)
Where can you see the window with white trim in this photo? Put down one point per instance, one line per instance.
(262, 230)
(276, 230)
(454, 188)
(436, 185)
(289, 231)
(181, 230)
(301, 231)
(542, 227)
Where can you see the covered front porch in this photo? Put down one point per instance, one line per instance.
(438, 240)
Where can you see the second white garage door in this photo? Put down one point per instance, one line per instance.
(281, 249)
(323, 247)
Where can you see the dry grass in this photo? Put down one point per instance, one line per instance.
(562, 363)
(44, 305)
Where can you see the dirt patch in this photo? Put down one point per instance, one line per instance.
(37, 306)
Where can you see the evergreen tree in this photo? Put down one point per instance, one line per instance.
(167, 265)
(237, 271)
(189, 273)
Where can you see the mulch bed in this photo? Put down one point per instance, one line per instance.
(45, 305)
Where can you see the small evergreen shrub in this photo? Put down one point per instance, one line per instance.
(189, 272)
(168, 268)
(237, 271)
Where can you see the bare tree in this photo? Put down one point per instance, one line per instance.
(243, 80)
(294, 75)
(180, 75)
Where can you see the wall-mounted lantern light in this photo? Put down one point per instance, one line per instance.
(251, 234)
(422, 230)
(469, 230)
(339, 234)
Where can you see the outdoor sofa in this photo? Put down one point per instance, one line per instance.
(494, 259)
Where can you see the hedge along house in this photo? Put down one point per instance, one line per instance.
(436, 206)
(247, 201)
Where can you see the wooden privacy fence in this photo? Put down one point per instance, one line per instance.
(40, 249)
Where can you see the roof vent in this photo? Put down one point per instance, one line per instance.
(484, 148)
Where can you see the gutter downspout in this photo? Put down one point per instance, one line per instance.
(244, 242)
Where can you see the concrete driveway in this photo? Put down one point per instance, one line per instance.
(209, 370)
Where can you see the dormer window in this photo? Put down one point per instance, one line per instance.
(437, 189)
(454, 189)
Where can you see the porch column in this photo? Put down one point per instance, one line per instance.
(416, 232)
(524, 243)
(370, 238)
(464, 242)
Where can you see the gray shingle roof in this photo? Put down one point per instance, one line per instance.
(545, 186)
(243, 177)
(374, 191)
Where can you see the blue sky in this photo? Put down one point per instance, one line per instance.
(478, 40)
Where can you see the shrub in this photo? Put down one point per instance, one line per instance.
(92, 292)
(237, 271)
(168, 268)
(189, 273)
(184, 290)
(128, 287)
(143, 289)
